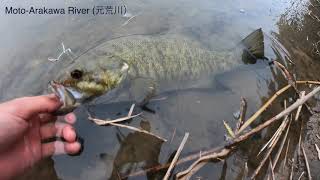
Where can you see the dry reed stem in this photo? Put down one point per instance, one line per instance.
(229, 129)
(268, 103)
(176, 156)
(274, 138)
(201, 162)
(281, 146)
(101, 122)
(301, 175)
(291, 81)
(291, 172)
(193, 171)
(246, 171)
(226, 150)
(306, 161)
(138, 130)
(286, 74)
(173, 135)
(299, 142)
(271, 168)
(318, 151)
(276, 134)
(239, 138)
(256, 172)
(243, 110)
(286, 154)
(300, 107)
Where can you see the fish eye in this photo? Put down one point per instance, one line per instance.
(76, 74)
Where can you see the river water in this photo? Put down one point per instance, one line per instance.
(292, 29)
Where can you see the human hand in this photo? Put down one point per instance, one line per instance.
(24, 123)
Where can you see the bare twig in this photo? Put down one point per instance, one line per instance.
(306, 161)
(176, 156)
(318, 151)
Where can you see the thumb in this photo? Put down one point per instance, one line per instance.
(26, 107)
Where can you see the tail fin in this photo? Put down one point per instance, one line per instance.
(254, 47)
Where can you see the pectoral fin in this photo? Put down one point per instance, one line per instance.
(253, 47)
(142, 90)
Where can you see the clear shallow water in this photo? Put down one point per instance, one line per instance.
(218, 25)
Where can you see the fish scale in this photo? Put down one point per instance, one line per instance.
(162, 58)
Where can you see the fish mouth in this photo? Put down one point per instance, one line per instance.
(70, 98)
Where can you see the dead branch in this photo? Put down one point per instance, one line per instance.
(176, 156)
